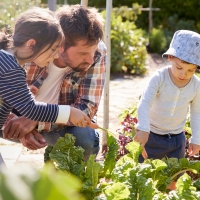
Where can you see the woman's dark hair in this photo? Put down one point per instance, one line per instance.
(80, 23)
(39, 24)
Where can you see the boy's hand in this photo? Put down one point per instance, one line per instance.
(193, 149)
(79, 118)
(142, 138)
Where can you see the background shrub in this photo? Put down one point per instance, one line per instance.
(128, 44)
(10, 9)
(157, 41)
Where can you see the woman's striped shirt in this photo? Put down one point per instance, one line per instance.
(14, 93)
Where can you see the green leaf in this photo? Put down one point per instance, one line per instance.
(47, 152)
(196, 184)
(158, 164)
(184, 188)
(24, 182)
(145, 188)
(117, 191)
(92, 171)
(111, 156)
(135, 150)
(121, 172)
(68, 157)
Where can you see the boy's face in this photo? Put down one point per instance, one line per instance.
(181, 71)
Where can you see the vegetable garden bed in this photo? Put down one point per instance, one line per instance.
(126, 178)
(119, 177)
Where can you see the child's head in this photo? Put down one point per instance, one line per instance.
(184, 54)
(41, 28)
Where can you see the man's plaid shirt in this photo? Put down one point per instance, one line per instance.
(82, 90)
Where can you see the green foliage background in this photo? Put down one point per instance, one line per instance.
(157, 40)
(10, 9)
(173, 16)
(128, 43)
(187, 11)
(128, 27)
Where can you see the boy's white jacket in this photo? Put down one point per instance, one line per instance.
(163, 107)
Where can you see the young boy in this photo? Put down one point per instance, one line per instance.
(166, 100)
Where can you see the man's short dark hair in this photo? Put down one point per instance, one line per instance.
(80, 23)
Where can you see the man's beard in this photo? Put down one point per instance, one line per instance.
(78, 68)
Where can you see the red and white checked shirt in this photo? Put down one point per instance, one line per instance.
(82, 90)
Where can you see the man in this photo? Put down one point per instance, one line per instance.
(76, 78)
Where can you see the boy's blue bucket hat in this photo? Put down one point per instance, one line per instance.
(185, 45)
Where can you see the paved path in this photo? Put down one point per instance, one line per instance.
(124, 92)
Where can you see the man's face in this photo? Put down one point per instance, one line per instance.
(78, 57)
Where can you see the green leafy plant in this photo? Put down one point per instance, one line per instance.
(187, 127)
(69, 159)
(149, 180)
(127, 179)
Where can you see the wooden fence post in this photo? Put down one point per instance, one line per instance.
(52, 5)
(84, 3)
(107, 81)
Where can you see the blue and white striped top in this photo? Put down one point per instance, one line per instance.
(14, 93)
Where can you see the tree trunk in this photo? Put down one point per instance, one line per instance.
(150, 15)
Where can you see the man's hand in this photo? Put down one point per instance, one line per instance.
(142, 138)
(193, 149)
(18, 128)
(33, 140)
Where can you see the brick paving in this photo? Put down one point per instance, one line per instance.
(124, 92)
